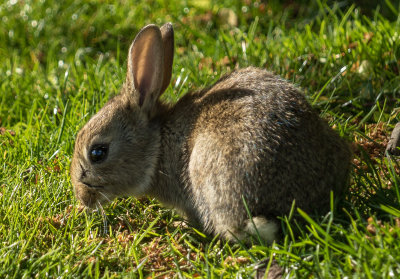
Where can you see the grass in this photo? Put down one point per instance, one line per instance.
(62, 60)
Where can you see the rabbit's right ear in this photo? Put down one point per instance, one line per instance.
(146, 67)
(167, 33)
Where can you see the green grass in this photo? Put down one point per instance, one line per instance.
(60, 61)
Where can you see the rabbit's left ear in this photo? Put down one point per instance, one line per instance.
(146, 67)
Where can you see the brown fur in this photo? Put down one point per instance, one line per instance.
(250, 136)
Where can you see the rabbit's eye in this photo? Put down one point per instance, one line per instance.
(98, 153)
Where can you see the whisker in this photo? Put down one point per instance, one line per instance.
(104, 215)
(103, 212)
(121, 217)
(105, 196)
(163, 173)
(110, 200)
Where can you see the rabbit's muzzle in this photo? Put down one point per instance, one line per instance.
(87, 194)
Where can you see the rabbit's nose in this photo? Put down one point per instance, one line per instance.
(84, 172)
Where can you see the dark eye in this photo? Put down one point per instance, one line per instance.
(98, 153)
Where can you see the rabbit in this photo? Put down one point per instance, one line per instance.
(250, 140)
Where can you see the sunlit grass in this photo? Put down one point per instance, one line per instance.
(62, 60)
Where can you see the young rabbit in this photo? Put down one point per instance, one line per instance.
(250, 137)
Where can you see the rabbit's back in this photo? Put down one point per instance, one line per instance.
(254, 136)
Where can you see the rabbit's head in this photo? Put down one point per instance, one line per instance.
(116, 151)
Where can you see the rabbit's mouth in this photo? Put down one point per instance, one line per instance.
(92, 186)
(91, 194)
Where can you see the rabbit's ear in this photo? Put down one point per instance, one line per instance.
(167, 33)
(146, 66)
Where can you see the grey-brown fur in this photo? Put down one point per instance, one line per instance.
(250, 135)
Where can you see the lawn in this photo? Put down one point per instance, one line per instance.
(60, 61)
